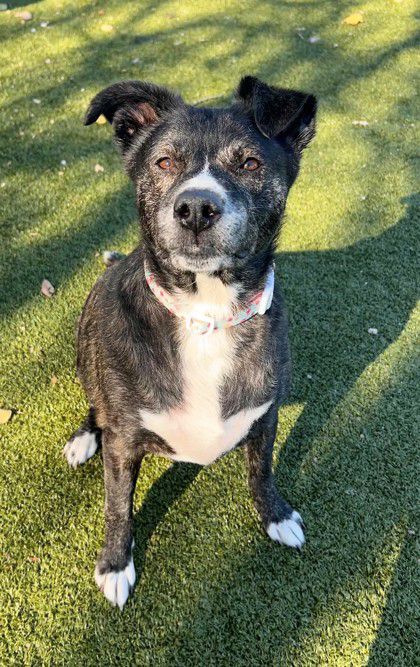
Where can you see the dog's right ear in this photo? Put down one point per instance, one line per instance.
(133, 107)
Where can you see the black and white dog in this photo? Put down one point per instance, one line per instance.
(183, 345)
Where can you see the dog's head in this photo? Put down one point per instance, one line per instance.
(211, 184)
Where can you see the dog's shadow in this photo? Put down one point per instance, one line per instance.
(159, 498)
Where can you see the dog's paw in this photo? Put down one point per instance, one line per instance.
(80, 448)
(288, 532)
(116, 585)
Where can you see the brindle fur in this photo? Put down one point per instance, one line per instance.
(128, 347)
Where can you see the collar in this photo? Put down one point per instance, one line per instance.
(203, 324)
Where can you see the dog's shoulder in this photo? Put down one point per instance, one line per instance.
(121, 294)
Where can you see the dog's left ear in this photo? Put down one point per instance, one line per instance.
(278, 112)
(132, 107)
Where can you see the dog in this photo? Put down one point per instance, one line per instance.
(182, 346)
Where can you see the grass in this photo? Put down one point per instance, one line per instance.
(212, 589)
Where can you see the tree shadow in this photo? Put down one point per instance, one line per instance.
(63, 254)
(16, 4)
(59, 256)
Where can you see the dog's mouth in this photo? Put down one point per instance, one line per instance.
(195, 260)
(199, 259)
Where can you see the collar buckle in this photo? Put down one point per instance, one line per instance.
(193, 321)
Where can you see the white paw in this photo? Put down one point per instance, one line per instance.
(288, 532)
(116, 586)
(80, 449)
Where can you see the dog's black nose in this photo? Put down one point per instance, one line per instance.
(198, 209)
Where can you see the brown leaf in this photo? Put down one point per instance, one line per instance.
(5, 415)
(54, 380)
(46, 288)
(101, 120)
(99, 168)
(34, 559)
(353, 19)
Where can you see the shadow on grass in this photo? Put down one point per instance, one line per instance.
(17, 4)
(60, 256)
(393, 644)
(170, 486)
(101, 71)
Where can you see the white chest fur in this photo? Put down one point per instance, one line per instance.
(195, 430)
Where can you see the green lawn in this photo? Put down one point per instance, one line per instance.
(212, 589)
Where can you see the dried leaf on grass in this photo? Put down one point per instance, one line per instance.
(46, 288)
(353, 19)
(5, 415)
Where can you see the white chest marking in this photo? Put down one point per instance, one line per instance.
(195, 430)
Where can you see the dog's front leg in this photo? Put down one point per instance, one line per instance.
(282, 523)
(114, 572)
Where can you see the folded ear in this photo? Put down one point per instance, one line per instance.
(279, 112)
(132, 107)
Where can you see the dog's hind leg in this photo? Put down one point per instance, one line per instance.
(282, 523)
(84, 442)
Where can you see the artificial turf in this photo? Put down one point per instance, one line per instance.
(212, 589)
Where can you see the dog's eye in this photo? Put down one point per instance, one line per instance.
(166, 163)
(251, 164)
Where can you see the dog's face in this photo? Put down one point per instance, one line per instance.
(211, 184)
